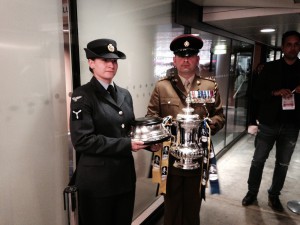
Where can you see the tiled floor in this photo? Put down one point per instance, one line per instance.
(226, 208)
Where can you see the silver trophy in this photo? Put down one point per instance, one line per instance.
(150, 130)
(185, 147)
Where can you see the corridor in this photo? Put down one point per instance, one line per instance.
(233, 167)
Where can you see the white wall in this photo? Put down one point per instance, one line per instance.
(33, 105)
(33, 131)
(133, 24)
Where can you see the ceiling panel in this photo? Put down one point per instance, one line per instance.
(246, 18)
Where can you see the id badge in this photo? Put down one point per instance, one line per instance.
(288, 103)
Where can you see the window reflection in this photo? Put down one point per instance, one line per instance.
(229, 62)
(240, 71)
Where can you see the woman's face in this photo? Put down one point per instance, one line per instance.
(104, 69)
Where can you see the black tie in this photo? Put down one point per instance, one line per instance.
(111, 90)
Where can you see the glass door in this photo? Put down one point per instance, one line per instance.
(240, 71)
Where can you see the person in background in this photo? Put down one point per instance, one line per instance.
(278, 93)
(182, 192)
(253, 104)
(100, 123)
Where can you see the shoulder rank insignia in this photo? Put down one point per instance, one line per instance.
(212, 78)
(75, 99)
(163, 78)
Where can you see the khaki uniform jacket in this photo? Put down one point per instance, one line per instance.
(165, 101)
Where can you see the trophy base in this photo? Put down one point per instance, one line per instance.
(186, 165)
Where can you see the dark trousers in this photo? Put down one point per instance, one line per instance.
(182, 200)
(112, 210)
(285, 137)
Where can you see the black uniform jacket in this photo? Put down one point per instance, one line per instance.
(100, 129)
(271, 79)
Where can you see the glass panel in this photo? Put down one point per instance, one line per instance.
(271, 56)
(240, 69)
(278, 55)
(214, 63)
(163, 57)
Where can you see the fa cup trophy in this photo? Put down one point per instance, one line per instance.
(186, 147)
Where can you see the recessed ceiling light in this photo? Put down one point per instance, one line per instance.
(267, 30)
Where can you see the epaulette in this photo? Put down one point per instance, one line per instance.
(212, 78)
(164, 78)
(169, 75)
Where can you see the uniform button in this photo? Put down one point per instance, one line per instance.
(121, 113)
(123, 125)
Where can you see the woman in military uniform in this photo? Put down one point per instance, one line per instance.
(100, 124)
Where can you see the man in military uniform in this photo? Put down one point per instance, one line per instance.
(182, 194)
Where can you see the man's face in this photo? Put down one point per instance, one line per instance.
(104, 69)
(186, 66)
(291, 47)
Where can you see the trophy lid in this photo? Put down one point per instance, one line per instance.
(188, 112)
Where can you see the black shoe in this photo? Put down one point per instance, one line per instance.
(249, 199)
(275, 203)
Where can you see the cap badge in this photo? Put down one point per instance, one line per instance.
(186, 44)
(110, 48)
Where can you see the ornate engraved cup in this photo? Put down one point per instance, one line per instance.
(185, 148)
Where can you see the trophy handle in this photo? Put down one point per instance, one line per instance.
(167, 121)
